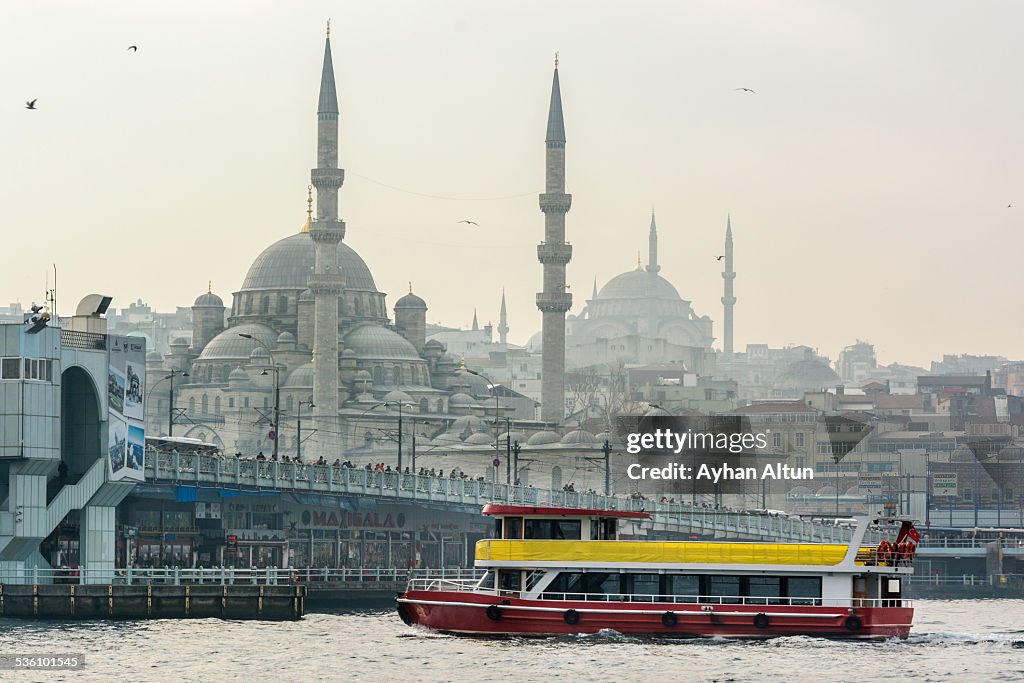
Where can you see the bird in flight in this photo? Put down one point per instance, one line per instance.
(719, 258)
(1009, 205)
(471, 223)
(31, 105)
(133, 48)
(752, 92)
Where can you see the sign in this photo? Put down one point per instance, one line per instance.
(944, 484)
(126, 392)
(232, 541)
(870, 486)
(272, 435)
(496, 463)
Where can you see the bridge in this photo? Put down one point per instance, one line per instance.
(219, 471)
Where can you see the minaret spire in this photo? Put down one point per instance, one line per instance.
(652, 245)
(476, 325)
(327, 281)
(503, 321)
(554, 254)
(728, 299)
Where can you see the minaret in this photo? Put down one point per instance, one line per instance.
(554, 254)
(327, 281)
(503, 322)
(476, 325)
(652, 271)
(728, 301)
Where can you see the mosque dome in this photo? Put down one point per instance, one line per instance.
(460, 399)
(208, 299)
(638, 284)
(238, 375)
(468, 423)
(154, 357)
(375, 342)
(433, 344)
(307, 295)
(288, 263)
(479, 439)
(807, 374)
(300, 378)
(228, 344)
(410, 300)
(286, 337)
(543, 438)
(397, 396)
(579, 437)
(1011, 454)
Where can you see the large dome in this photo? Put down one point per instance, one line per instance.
(372, 342)
(638, 284)
(229, 345)
(288, 263)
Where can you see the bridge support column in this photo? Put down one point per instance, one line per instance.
(98, 541)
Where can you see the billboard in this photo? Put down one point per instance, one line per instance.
(126, 395)
(944, 484)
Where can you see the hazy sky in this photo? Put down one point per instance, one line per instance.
(868, 179)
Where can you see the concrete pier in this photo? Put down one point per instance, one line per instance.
(91, 601)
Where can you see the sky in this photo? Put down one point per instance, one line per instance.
(868, 179)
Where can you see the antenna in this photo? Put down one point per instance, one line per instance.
(51, 293)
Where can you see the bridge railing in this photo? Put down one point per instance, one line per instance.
(176, 576)
(191, 469)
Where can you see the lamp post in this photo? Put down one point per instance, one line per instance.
(494, 390)
(515, 454)
(400, 405)
(170, 407)
(298, 429)
(277, 390)
(607, 448)
(836, 457)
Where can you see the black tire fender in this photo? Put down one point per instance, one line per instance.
(493, 613)
(761, 620)
(669, 619)
(853, 623)
(571, 616)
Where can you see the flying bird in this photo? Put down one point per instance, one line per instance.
(471, 223)
(133, 48)
(752, 92)
(1009, 205)
(719, 258)
(31, 105)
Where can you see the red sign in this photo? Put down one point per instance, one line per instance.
(271, 435)
(496, 462)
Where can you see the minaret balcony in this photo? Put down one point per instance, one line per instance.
(326, 283)
(557, 202)
(327, 178)
(331, 232)
(554, 302)
(554, 253)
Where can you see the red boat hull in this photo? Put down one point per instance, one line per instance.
(488, 615)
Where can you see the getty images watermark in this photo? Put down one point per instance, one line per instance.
(708, 454)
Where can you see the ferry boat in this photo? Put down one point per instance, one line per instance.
(555, 571)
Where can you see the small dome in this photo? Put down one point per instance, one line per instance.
(154, 357)
(513, 437)
(307, 295)
(1011, 454)
(208, 300)
(461, 399)
(376, 342)
(962, 454)
(410, 300)
(479, 439)
(259, 355)
(182, 341)
(397, 396)
(433, 344)
(579, 437)
(601, 437)
(349, 353)
(807, 374)
(229, 345)
(468, 424)
(543, 438)
(300, 378)
(285, 338)
(238, 375)
(657, 412)
(364, 376)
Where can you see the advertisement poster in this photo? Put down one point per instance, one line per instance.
(126, 392)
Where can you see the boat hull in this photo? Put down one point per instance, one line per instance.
(484, 614)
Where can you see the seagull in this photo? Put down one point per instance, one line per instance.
(31, 105)
(752, 92)
(1009, 205)
(133, 48)
(719, 258)
(471, 223)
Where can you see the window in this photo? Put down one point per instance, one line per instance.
(725, 587)
(231, 402)
(776, 440)
(764, 587)
(557, 529)
(10, 368)
(216, 404)
(509, 580)
(800, 587)
(683, 585)
(282, 304)
(1008, 493)
(799, 439)
(642, 587)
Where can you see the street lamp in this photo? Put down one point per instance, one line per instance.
(400, 405)
(298, 429)
(607, 448)
(170, 408)
(277, 390)
(494, 390)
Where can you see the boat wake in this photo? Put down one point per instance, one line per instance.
(944, 638)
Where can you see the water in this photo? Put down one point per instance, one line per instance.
(962, 640)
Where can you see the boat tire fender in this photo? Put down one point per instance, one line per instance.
(403, 614)
(493, 613)
(669, 619)
(761, 621)
(571, 616)
(853, 623)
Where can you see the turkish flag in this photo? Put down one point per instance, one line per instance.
(913, 535)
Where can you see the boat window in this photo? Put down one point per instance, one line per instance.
(573, 586)
(803, 590)
(764, 590)
(486, 581)
(534, 577)
(642, 586)
(509, 580)
(513, 527)
(610, 529)
(727, 588)
(682, 585)
(497, 527)
(558, 529)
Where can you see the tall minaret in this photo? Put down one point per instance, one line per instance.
(554, 253)
(503, 321)
(327, 281)
(728, 301)
(652, 270)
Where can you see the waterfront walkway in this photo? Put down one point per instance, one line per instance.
(217, 471)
